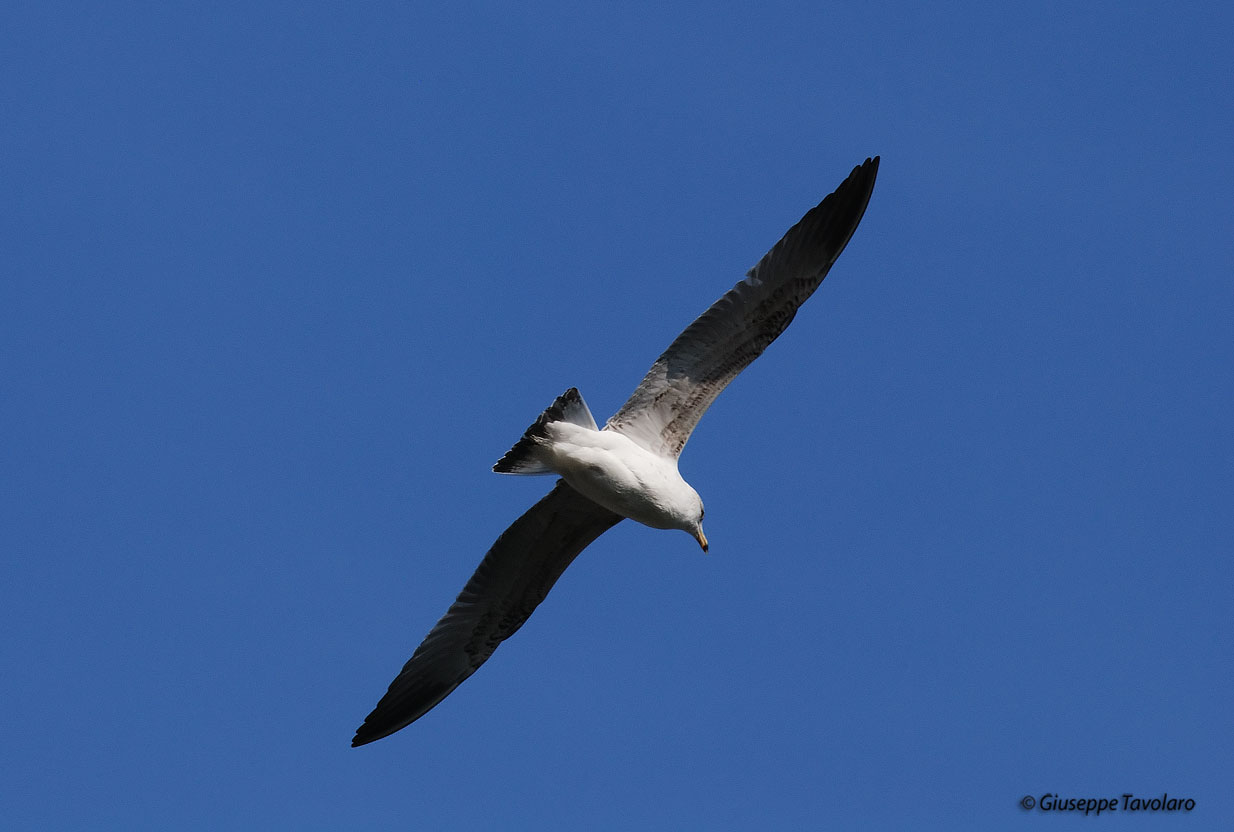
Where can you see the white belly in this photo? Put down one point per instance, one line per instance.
(620, 475)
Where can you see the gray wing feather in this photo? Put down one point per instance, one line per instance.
(685, 380)
(511, 581)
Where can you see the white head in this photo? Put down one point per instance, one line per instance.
(698, 535)
(694, 521)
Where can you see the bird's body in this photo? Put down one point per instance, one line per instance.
(628, 469)
(616, 472)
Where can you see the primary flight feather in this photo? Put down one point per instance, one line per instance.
(626, 469)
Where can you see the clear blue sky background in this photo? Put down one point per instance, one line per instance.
(282, 280)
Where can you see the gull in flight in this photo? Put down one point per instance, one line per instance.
(628, 468)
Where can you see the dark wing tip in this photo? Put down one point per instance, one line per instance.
(831, 224)
(860, 182)
(868, 171)
(855, 191)
(410, 697)
(367, 733)
(375, 727)
(370, 732)
(427, 678)
(810, 247)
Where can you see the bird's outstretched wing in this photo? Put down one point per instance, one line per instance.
(511, 581)
(685, 380)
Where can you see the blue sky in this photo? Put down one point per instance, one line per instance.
(281, 281)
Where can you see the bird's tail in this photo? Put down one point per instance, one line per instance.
(524, 458)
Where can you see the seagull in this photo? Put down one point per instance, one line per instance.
(628, 468)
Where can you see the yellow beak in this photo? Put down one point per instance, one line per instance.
(701, 538)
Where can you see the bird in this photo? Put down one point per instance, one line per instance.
(628, 468)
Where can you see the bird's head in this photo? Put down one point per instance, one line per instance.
(697, 530)
(685, 512)
(697, 534)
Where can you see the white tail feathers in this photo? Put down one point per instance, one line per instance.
(523, 457)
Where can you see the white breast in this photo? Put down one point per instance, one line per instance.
(622, 476)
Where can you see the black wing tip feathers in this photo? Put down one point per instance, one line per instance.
(822, 234)
(864, 174)
(861, 181)
(365, 735)
(398, 709)
(368, 732)
(376, 726)
(836, 218)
